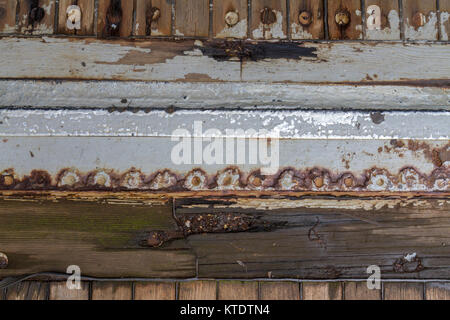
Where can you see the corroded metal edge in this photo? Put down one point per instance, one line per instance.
(231, 179)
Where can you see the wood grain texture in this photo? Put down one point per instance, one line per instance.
(59, 291)
(390, 21)
(403, 291)
(126, 23)
(353, 30)
(155, 291)
(183, 61)
(112, 290)
(437, 291)
(97, 235)
(420, 20)
(8, 9)
(238, 290)
(316, 28)
(444, 20)
(360, 291)
(197, 290)
(192, 18)
(28, 290)
(45, 26)
(162, 26)
(220, 27)
(322, 291)
(279, 291)
(276, 30)
(87, 17)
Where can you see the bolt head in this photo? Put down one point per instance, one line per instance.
(8, 180)
(342, 17)
(3, 261)
(268, 16)
(305, 18)
(231, 18)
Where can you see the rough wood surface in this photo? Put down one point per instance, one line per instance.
(162, 26)
(8, 10)
(444, 21)
(59, 291)
(45, 26)
(351, 31)
(437, 291)
(389, 28)
(420, 20)
(360, 291)
(316, 27)
(112, 291)
(185, 61)
(238, 290)
(192, 18)
(322, 291)
(403, 291)
(220, 28)
(271, 30)
(154, 291)
(87, 17)
(28, 290)
(198, 290)
(126, 21)
(279, 291)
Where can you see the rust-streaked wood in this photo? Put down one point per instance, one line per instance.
(444, 23)
(322, 291)
(390, 20)
(126, 23)
(220, 28)
(403, 291)
(420, 20)
(60, 291)
(197, 290)
(112, 290)
(87, 17)
(162, 26)
(28, 290)
(45, 26)
(279, 291)
(238, 290)
(8, 10)
(360, 291)
(437, 291)
(155, 291)
(192, 18)
(299, 28)
(351, 31)
(275, 30)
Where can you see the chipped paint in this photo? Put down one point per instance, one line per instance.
(273, 31)
(445, 17)
(428, 31)
(299, 33)
(239, 30)
(390, 32)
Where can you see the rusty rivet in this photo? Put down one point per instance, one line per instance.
(342, 17)
(3, 261)
(69, 180)
(419, 20)
(380, 182)
(305, 18)
(8, 180)
(196, 181)
(101, 181)
(348, 182)
(257, 182)
(231, 18)
(319, 182)
(268, 16)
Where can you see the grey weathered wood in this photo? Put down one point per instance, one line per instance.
(383, 63)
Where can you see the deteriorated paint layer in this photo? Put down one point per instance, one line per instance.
(233, 179)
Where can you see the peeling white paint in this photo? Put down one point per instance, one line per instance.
(274, 31)
(445, 16)
(239, 30)
(299, 33)
(428, 31)
(391, 32)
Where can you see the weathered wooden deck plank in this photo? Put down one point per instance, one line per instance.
(155, 291)
(322, 291)
(198, 290)
(360, 291)
(279, 291)
(60, 291)
(403, 291)
(238, 290)
(112, 291)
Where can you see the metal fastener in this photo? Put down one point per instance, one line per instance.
(342, 17)
(268, 16)
(231, 18)
(305, 18)
(73, 18)
(8, 180)
(3, 261)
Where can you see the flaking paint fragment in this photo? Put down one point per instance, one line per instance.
(427, 32)
(444, 20)
(237, 31)
(391, 32)
(274, 31)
